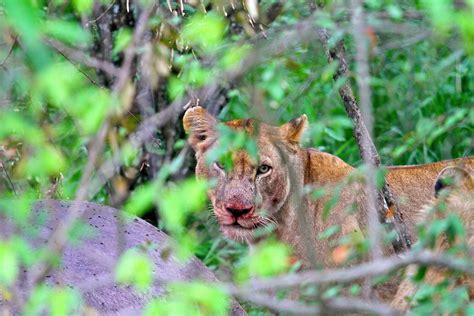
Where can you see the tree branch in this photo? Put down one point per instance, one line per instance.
(364, 142)
(59, 237)
(81, 57)
(377, 267)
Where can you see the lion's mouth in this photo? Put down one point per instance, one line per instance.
(236, 225)
(239, 232)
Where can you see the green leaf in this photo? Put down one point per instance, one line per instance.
(90, 108)
(134, 268)
(420, 274)
(269, 258)
(174, 208)
(168, 307)
(83, 6)
(196, 75)
(395, 12)
(176, 87)
(193, 298)
(8, 264)
(66, 31)
(329, 71)
(336, 135)
(380, 177)
(210, 300)
(129, 154)
(20, 127)
(64, 301)
(47, 161)
(454, 227)
(441, 14)
(329, 232)
(18, 209)
(464, 21)
(58, 84)
(141, 199)
(59, 301)
(233, 57)
(24, 16)
(204, 31)
(469, 310)
(332, 292)
(122, 40)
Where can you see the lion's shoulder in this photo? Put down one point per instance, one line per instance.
(421, 177)
(325, 168)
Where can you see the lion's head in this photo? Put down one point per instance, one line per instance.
(249, 194)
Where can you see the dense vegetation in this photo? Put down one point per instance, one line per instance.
(92, 96)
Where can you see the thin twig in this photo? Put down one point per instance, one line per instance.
(10, 51)
(375, 200)
(59, 237)
(101, 15)
(252, 290)
(366, 147)
(300, 33)
(81, 57)
(374, 268)
(78, 68)
(8, 177)
(353, 305)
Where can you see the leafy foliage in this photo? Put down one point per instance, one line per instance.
(58, 92)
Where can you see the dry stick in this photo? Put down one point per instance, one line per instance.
(374, 268)
(81, 57)
(101, 15)
(2, 164)
(353, 305)
(363, 77)
(78, 68)
(279, 306)
(250, 294)
(59, 237)
(365, 144)
(374, 197)
(58, 240)
(10, 51)
(251, 290)
(336, 305)
(286, 39)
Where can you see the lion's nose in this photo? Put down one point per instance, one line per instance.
(237, 210)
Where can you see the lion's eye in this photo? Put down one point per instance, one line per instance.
(218, 165)
(262, 169)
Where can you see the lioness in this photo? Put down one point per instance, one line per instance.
(458, 199)
(253, 193)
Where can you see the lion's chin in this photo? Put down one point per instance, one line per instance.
(238, 232)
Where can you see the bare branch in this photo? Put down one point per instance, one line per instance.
(353, 305)
(2, 164)
(81, 57)
(375, 200)
(366, 146)
(59, 237)
(101, 15)
(377, 267)
(10, 51)
(285, 306)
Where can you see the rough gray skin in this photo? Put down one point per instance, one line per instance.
(89, 265)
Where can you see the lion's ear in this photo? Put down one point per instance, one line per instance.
(452, 177)
(294, 129)
(200, 125)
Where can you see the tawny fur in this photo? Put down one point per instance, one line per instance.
(458, 199)
(300, 220)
